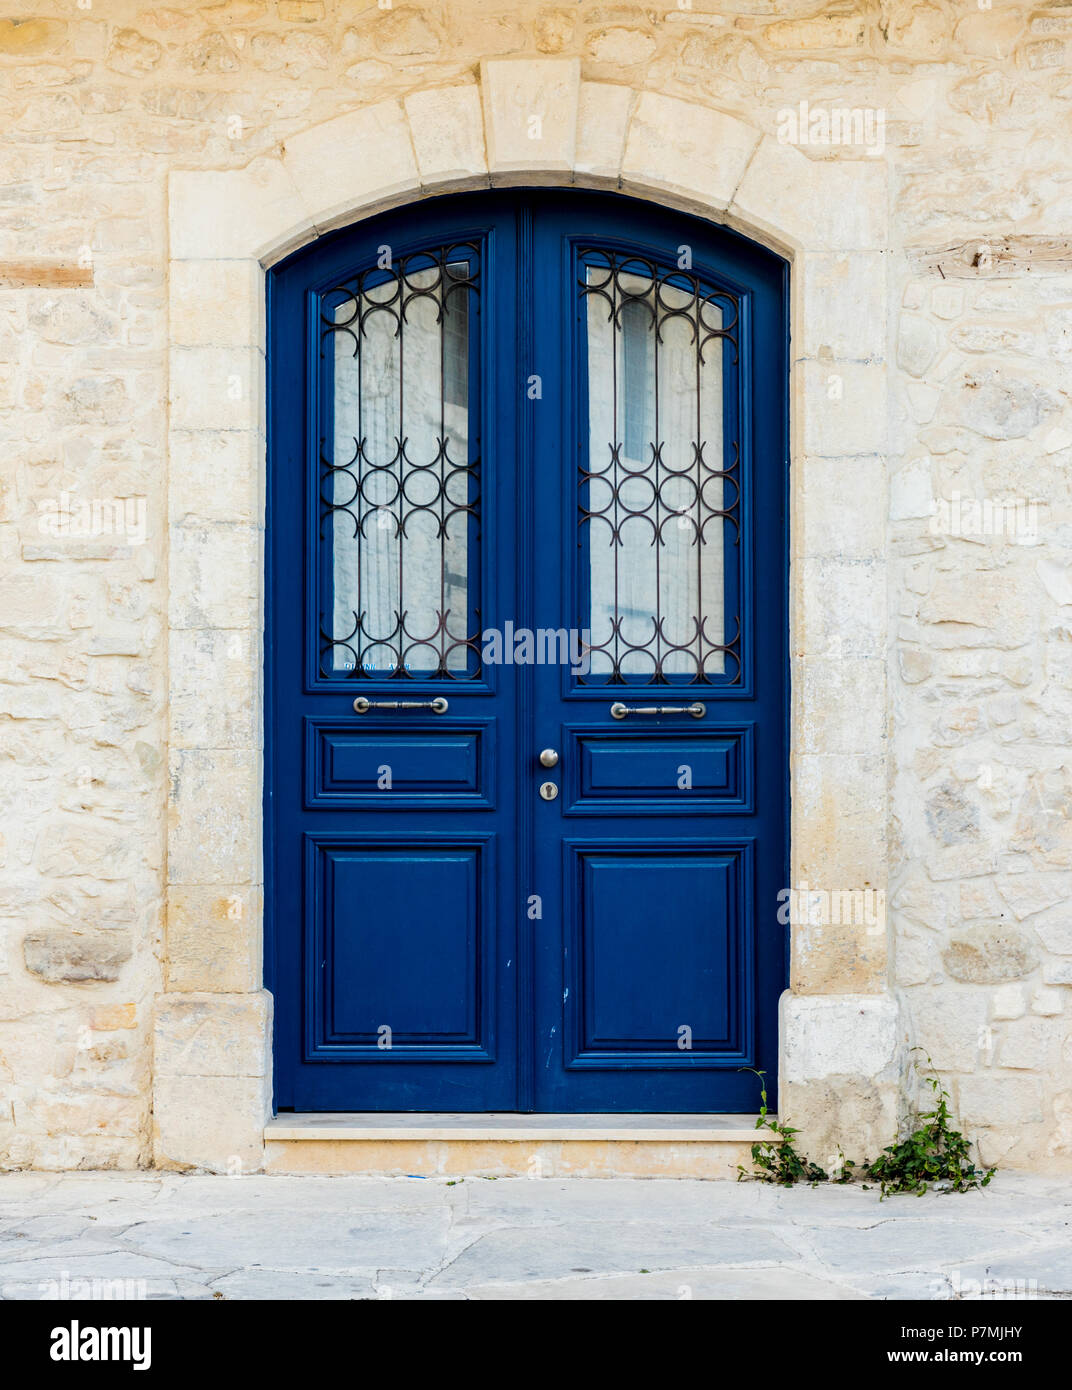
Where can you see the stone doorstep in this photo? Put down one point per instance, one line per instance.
(510, 1145)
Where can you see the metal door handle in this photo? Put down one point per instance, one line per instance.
(619, 711)
(363, 704)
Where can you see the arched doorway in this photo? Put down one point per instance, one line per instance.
(526, 660)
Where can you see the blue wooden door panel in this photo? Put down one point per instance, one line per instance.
(390, 853)
(659, 964)
(440, 937)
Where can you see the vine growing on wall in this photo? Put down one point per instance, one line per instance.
(932, 1157)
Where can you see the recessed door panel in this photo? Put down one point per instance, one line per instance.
(382, 766)
(650, 986)
(403, 933)
(658, 772)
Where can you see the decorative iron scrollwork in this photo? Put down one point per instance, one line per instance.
(399, 469)
(660, 477)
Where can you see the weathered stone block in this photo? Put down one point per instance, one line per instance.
(996, 1101)
(214, 817)
(216, 303)
(694, 153)
(217, 1124)
(602, 122)
(447, 124)
(212, 214)
(67, 957)
(989, 955)
(212, 1035)
(360, 158)
(530, 114)
(214, 938)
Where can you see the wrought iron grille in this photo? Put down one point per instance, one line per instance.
(659, 488)
(399, 470)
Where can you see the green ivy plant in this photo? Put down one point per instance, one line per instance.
(934, 1156)
(776, 1160)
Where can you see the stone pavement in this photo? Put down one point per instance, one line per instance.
(168, 1235)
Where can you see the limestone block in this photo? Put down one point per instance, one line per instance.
(842, 705)
(216, 388)
(988, 33)
(825, 1036)
(354, 161)
(990, 954)
(216, 476)
(843, 308)
(214, 938)
(1027, 1044)
(977, 609)
(621, 47)
(912, 491)
(820, 31)
(225, 663)
(994, 1101)
(68, 957)
(216, 1124)
(215, 577)
(842, 509)
(112, 1116)
(839, 822)
(530, 114)
(214, 214)
(1009, 1002)
(950, 1024)
(208, 1034)
(697, 154)
(840, 608)
(81, 845)
(839, 1074)
(602, 121)
(447, 125)
(843, 407)
(214, 817)
(917, 344)
(999, 404)
(840, 957)
(813, 205)
(216, 303)
(31, 604)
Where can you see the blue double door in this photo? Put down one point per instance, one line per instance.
(526, 660)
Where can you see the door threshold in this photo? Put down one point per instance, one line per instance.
(508, 1144)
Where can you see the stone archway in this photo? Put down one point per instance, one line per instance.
(525, 121)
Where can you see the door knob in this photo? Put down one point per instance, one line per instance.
(548, 758)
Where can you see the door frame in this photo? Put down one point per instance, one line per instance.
(529, 324)
(842, 1057)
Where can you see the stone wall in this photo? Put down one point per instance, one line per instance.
(102, 100)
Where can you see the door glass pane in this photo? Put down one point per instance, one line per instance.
(658, 491)
(399, 498)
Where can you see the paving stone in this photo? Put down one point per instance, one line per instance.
(609, 1248)
(196, 1237)
(283, 1283)
(302, 1239)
